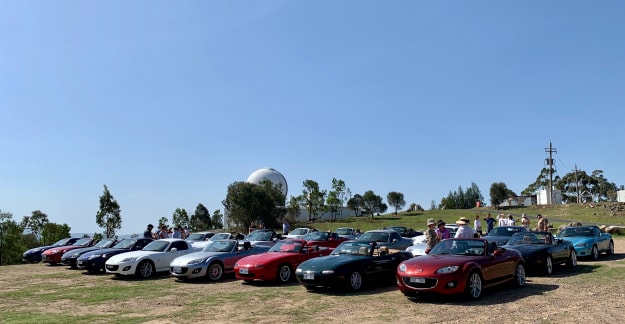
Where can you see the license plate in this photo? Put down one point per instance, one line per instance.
(80, 263)
(417, 280)
(177, 270)
(243, 270)
(309, 276)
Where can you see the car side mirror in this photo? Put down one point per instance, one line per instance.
(173, 250)
(498, 252)
(559, 241)
(395, 241)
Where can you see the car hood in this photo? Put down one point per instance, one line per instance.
(579, 239)
(109, 251)
(133, 254)
(267, 257)
(527, 248)
(38, 249)
(330, 262)
(196, 255)
(437, 261)
(83, 250)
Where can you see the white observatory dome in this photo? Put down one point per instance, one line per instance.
(270, 174)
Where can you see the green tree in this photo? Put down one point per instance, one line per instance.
(372, 203)
(433, 205)
(217, 220)
(293, 209)
(312, 198)
(35, 223)
(109, 215)
(356, 204)
(595, 184)
(542, 181)
(163, 221)
(499, 192)
(247, 203)
(200, 220)
(53, 232)
(180, 217)
(337, 197)
(11, 240)
(396, 200)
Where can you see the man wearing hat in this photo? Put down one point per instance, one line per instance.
(464, 230)
(148, 232)
(431, 239)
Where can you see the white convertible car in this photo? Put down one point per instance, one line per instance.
(154, 257)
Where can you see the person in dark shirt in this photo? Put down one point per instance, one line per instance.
(490, 223)
(148, 232)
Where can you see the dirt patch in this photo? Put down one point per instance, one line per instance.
(570, 295)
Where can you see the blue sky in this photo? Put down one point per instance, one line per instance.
(169, 102)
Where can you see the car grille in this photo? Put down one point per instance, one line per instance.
(111, 267)
(429, 283)
(179, 270)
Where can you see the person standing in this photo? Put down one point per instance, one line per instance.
(464, 230)
(163, 233)
(501, 220)
(285, 226)
(511, 221)
(176, 233)
(543, 223)
(431, 239)
(442, 232)
(490, 223)
(525, 221)
(477, 225)
(148, 232)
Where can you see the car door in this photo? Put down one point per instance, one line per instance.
(559, 248)
(496, 266)
(181, 248)
(603, 241)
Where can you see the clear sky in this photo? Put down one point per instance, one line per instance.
(169, 102)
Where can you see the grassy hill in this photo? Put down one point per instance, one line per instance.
(587, 214)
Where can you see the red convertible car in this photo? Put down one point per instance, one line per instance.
(325, 239)
(53, 256)
(278, 263)
(456, 266)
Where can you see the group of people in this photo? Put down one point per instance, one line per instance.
(437, 232)
(165, 232)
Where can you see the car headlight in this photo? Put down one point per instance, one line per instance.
(93, 257)
(129, 259)
(449, 269)
(53, 252)
(298, 270)
(583, 244)
(327, 272)
(196, 261)
(402, 267)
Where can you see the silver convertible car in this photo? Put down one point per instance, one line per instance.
(217, 258)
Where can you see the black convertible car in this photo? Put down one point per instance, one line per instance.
(542, 251)
(350, 265)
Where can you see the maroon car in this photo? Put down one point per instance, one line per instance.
(323, 238)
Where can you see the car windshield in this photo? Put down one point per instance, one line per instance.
(576, 231)
(83, 242)
(530, 238)
(61, 242)
(287, 246)
(398, 229)
(316, 236)
(220, 236)
(374, 236)
(125, 244)
(344, 231)
(157, 246)
(299, 231)
(460, 247)
(259, 236)
(353, 248)
(105, 243)
(504, 231)
(219, 246)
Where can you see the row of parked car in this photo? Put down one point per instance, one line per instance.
(323, 259)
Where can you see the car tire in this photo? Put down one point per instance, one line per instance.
(409, 293)
(594, 253)
(548, 265)
(519, 275)
(473, 287)
(248, 280)
(355, 281)
(610, 250)
(215, 271)
(284, 273)
(145, 269)
(572, 262)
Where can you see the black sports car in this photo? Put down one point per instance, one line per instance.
(94, 261)
(350, 265)
(542, 251)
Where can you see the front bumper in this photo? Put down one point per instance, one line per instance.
(193, 271)
(124, 268)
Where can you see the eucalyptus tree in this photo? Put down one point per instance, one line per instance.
(373, 203)
(35, 223)
(109, 214)
(396, 200)
(312, 198)
(200, 220)
(180, 217)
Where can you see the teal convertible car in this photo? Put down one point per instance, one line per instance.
(588, 241)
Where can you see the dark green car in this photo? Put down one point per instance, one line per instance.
(350, 265)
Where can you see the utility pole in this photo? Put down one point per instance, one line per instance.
(550, 150)
(576, 184)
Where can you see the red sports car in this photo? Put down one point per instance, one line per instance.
(326, 239)
(457, 266)
(278, 263)
(53, 256)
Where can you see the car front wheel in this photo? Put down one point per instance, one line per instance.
(215, 271)
(594, 254)
(548, 265)
(610, 250)
(145, 269)
(572, 262)
(355, 281)
(519, 275)
(473, 288)
(284, 273)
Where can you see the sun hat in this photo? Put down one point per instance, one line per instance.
(431, 222)
(462, 221)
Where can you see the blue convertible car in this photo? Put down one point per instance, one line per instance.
(588, 241)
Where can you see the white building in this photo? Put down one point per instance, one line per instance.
(542, 198)
(620, 196)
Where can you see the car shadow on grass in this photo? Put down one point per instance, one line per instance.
(369, 288)
(562, 271)
(156, 276)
